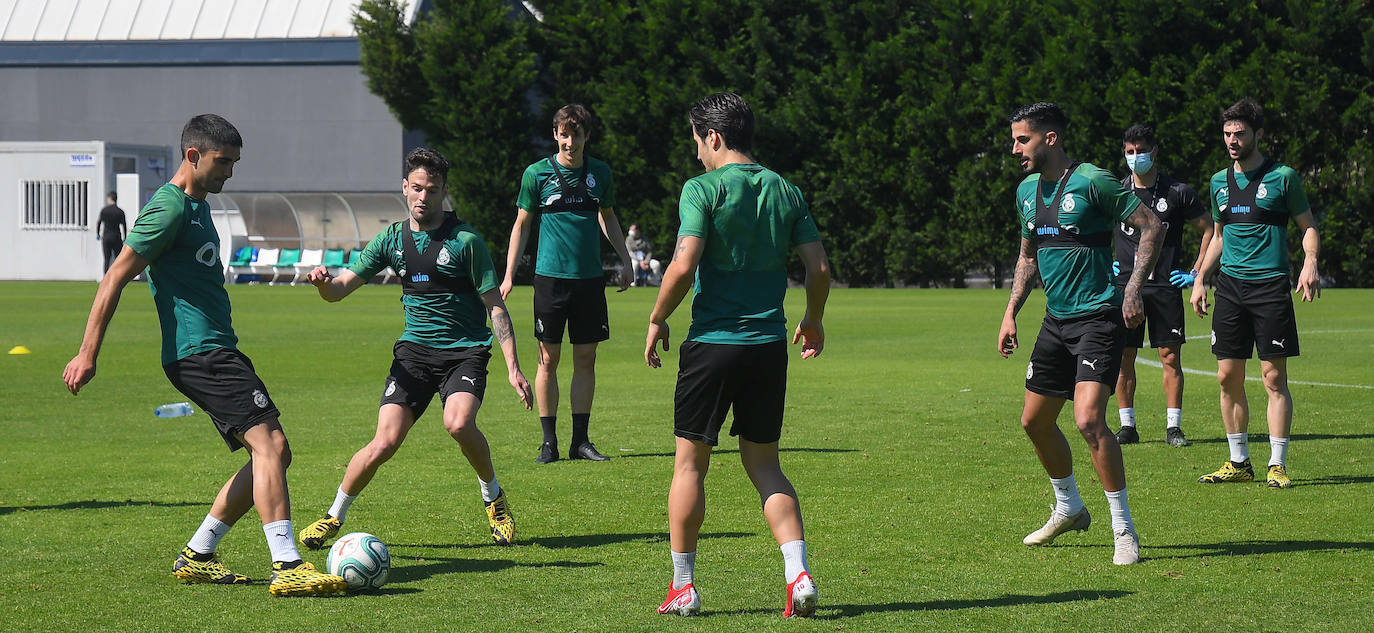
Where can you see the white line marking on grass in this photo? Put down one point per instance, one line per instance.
(1188, 370)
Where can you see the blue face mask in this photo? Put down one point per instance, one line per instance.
(1140, 162)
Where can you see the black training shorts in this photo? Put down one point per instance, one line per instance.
(712, 378)
(580, 303)
(1253, 314)
(420, 371)
(1163, 316)
(1080, 349)
(223, 384)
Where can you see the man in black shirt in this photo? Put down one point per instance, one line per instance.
(114, 228)
(1174, 203)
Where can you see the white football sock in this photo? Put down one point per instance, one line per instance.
(342, 501)
(1240, 446)
(1121, 511)
(280, 541)
(1127, 416)
(490, 489)
(208, 535)
(794, 559)
(1066, 499)
(1174, 416)
(1278, 451)
(684, 568)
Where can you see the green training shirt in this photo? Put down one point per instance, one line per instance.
(1259, 251)
(1078, 279)
(175, 234)
(750, 217)
(569, 243)
(446, 320)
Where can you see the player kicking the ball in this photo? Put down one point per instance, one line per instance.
(175, 240)
(449, 288)
(739, 220)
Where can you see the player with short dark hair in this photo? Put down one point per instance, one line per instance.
(1253, 201)
(573, 196)
(111, 228)
(448, 291)
(1067, 211)
(175, 240)
(1175, 204)
(739, 222)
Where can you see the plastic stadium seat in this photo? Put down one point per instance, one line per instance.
(310, 258)
(286, 261)
(265, 261)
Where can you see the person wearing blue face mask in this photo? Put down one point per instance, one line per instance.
(1175, 204)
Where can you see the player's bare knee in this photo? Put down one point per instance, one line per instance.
(461, 426)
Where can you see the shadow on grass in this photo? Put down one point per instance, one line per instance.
(433, 565)
(1247, 548)
(97, 505)
(838, 611)
(1335, 480)
(1299, 437)
(580, 540)
(731, 451)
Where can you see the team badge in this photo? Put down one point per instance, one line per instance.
(1261, 193)
(390, 388)
(1127, 229)
(1030, 225)
(538, 326)
(591, 181)
(1068, 204)
(1030, 370)
(1214, 337)
(443, 257)
(1162, 205)
(260, 398)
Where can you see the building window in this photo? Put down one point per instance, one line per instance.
(55, 204)
(124, 164)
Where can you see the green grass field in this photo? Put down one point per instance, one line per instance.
(903, 440)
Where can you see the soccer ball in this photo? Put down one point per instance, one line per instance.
(361, 559)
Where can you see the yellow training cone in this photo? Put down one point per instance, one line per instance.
(19, 349)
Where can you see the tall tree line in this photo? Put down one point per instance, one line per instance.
(889, 114)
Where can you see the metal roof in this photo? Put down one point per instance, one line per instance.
(142, 20)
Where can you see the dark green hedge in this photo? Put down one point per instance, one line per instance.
(890, 115)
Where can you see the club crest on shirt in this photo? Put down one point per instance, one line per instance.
(1162, 205)
(1068, 204)
(443, 258)
(591, 181)
(1261, 193)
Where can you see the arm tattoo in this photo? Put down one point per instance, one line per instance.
(1026, 270)
(500, 323)
(680, 247)
(1150, 236)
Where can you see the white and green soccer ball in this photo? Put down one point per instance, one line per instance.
(361, 559)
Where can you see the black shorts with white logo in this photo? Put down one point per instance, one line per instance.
(1250, 315)
(580, 303)
(223, 384)
(420, 371)
(1163, 316)
(712, 378)
(1080, 349)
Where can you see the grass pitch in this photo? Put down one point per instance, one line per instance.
(916, 482)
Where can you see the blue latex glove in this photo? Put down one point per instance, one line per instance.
(1116, 268)
(1180, 279)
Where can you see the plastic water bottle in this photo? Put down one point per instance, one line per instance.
(176, 410)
